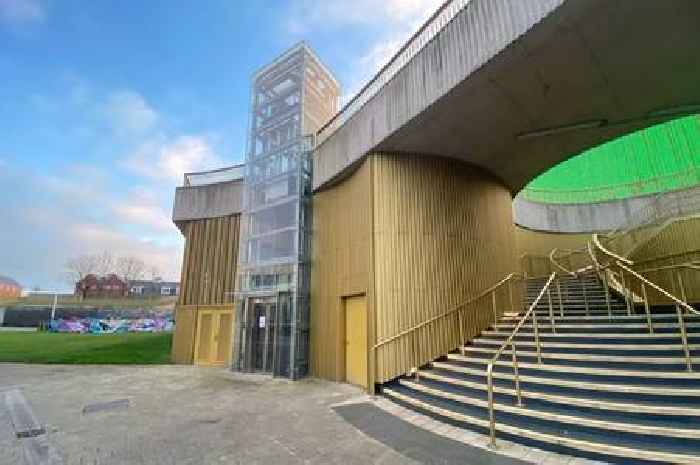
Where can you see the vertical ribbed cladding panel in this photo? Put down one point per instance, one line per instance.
(678, 242)
(478, 33)
(209, 262)
(443, 232)
(340, 267)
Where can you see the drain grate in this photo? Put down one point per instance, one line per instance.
(106, 406)
(24, 422)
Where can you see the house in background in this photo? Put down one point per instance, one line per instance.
(9, 287)
(153, 288)
(109, 286)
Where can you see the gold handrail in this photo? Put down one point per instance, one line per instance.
(600, 246)
(556, 263)
(509, 341)
(658, 288)
(448, 312)
(688, 265)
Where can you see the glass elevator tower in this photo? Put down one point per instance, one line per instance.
(291, 98)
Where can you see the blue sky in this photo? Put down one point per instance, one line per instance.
(103, 106)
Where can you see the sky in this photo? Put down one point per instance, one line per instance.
(104, 105)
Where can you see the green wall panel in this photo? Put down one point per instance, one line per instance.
(658, 159)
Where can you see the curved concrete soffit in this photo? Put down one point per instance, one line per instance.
(478, 40)
(489, 87)
(208, 201)
(600, 216)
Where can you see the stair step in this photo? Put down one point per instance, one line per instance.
(612, 326)
(583, 357)
(602, 318)
(614, 336)
(556, 440)
(582, 370)
(583, 346)
(591, 386)
(683, 433)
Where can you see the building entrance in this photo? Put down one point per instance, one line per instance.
(264, 316)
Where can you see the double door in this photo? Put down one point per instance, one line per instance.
(213, 337)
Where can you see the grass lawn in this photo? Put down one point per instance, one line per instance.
(130, 348)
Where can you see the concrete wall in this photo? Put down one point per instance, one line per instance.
(209, 201)
(600, 216)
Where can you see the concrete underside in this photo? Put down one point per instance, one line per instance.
(586, 60)
(603, 216)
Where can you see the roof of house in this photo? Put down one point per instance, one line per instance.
(9, 281)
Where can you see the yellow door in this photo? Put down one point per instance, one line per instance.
(205, 334)
(356, 340)
(213, 343)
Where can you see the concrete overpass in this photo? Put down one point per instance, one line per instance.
(516, 87)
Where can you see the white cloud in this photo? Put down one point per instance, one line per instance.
(141, 207)
(21, 11)
(164, 159)
(129, 113)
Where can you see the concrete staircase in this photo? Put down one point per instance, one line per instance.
(607, 389)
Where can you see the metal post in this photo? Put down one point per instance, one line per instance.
(537, 338)
(561, 304)
(626, 293)
(53, 307)
(493, 304)
(607, 294)
(415, 355)
(585, 296)
(461, 332)
(646, 308)
(551, 312)
(510, 292)
(516, 376)
(492, 415)
(681, 323)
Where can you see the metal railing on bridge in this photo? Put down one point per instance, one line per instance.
(203, 178)
(410, 49)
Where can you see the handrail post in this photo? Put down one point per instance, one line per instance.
(492, 414)
(493, 304)
(516, 376)
(626, 293)
(561, 304)
(415, 355)
(607, 294)
(585, 297)
(681, 322)
(537, 337)
(461, 333)
(646, 308)
(510, 292)
(551, 312)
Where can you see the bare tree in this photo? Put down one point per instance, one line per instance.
(78, 268)
(130, 268)
(105, 264)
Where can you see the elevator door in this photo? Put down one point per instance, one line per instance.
(263, 336)
(356, 340)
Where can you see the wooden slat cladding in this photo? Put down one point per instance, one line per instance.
(210, 259)
(534, 247)
(443, 232)
(340, 267)
(182, 351)
(417, 235)
(678, 242)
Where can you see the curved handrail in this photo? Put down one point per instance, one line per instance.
(556, 263)
(506, 343)
(658, 288)
(602, 248)
(509, 341)
(448, 312)
(688, 265)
